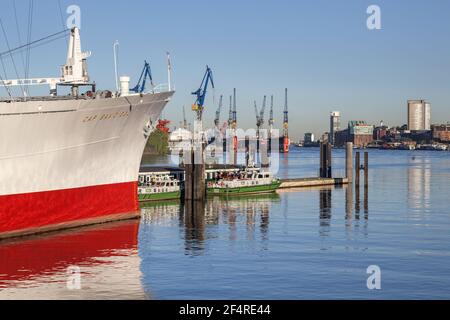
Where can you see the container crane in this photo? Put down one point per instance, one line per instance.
(146, 73)
(198, 106)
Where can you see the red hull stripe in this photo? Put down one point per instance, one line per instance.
(42, 209)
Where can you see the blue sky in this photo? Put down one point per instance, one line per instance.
(321, 50)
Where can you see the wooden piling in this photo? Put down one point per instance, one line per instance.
(366, 169)
(357, 168)
(329, 161)
(195, 184)
(325, 161)
(349, 162)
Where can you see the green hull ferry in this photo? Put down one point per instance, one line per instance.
(244, 190)
(159, 184)
(241, 182)
(144, 197)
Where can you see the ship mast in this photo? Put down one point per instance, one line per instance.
(74, 73)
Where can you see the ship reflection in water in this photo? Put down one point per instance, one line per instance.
(42, 267)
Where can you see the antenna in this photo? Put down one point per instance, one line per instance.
(116, 71)
(169, 71)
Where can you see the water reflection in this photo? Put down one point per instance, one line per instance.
(419, 184)
(198, 222)
(36, 267)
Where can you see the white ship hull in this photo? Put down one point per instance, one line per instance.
(58, 158)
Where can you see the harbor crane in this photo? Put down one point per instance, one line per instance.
(219, 110)
(230, 115)
(260, 120)
(198, 106)
(260, 114)
(234, 122)
(286, 141)
(185, 125)
(146, 73)
(271, 120)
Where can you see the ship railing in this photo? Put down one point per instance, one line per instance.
(160, 88)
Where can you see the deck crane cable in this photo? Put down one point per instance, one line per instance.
(12, 58)
(35, 44)
(19, 36)
(6, 87)
(62, 18)
(30, 28)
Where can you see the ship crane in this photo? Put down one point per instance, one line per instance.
(198, 106)
(146, 73)
(74, 73)
(219, 110)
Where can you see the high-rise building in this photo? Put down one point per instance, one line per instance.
(309, 137)
(419, 115)
(335, 125)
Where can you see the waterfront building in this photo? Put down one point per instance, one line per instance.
(361, 133)
(441, 132)
(335, 125)
(419, 115)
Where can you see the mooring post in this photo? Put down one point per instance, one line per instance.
(188, 174)
(349, 162)
(329, 161)
(322, 161)
(366, 169)
(357, 168)
(195, 184)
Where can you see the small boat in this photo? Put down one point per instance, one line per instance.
(242, 182)
(153, 187)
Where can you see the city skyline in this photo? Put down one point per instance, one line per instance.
(322, 52)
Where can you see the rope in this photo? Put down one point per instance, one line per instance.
(14, 63)
(30, 26)
(62, 18)
(18, 31)
(31, 44)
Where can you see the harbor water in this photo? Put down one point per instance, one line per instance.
(296, 244)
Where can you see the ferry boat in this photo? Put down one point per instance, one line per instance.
(241, 181)
(161, 188)
(157, 184)
(72, 160)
